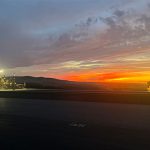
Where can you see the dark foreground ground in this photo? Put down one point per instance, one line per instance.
(32, 124)
(125, 97)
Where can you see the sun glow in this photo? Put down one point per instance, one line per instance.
(118, 79)
(122, 77)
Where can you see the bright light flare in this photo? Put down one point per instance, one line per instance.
(1, 71)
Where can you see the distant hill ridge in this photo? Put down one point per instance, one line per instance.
(52, 83)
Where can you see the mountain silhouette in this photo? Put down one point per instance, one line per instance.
(52, 83)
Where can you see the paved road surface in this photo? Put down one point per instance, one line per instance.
(43, 124)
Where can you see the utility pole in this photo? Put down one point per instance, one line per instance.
(13, 82)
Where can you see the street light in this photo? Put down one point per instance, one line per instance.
(1, 71)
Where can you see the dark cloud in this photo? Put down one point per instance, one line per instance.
(109, 21)
(148, 5)
(119, 13)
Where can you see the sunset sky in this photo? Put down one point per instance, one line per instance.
(80, 40)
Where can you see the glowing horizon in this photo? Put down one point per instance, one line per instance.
(111, 77)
